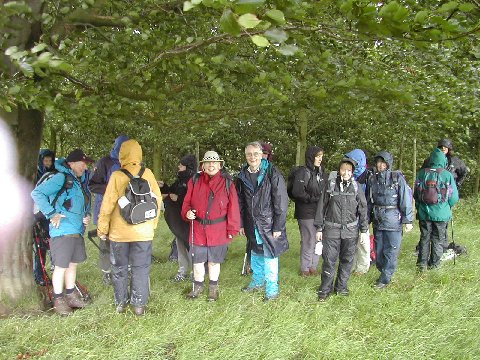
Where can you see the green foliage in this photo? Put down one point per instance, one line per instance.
(222, 73)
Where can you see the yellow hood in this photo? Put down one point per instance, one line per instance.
(130, 153)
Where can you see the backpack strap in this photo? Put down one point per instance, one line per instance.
(67, 184)
(126, 172)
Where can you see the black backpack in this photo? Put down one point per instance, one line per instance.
(291, 179)
(139, 203)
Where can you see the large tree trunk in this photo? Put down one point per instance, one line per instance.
(16, 280)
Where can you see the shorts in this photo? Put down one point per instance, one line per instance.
(67, 249)
(214, 254)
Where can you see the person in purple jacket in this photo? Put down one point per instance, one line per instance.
(98, 184)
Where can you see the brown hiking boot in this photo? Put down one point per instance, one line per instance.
(61, 307)
(196, 292)
(75, 301)
(212, 293)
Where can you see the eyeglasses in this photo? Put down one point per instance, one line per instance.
(255, 154)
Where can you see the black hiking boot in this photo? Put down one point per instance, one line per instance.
(212, 292)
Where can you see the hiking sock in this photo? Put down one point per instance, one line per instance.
(214, 283)
(198, 283)
(69, 291)
(57, 296)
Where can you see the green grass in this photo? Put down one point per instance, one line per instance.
(433, 316)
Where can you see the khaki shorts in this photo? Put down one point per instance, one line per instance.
(67, 249)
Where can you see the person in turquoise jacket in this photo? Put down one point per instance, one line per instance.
(435, 194)
(68, 215)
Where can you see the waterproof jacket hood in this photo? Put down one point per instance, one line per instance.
(114, 154)
(41, 169)
(387, 157)
(359, 156)
(437, 159)
(310, 154)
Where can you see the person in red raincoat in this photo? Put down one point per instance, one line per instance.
(211, 206)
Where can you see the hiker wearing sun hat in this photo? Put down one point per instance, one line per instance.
(211, 207)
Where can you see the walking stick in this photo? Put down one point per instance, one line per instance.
(91, 234)
(193, 252)
(42, 261)
(453, 242)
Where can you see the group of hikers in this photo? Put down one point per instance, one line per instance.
(206, 209)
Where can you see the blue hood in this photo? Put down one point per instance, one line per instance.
(114, 154)
(42, 169)
(359, 156)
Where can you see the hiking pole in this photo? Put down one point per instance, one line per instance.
(453, 241)
(91, 234)
(42, 262)
(193, 252)
(245, 259)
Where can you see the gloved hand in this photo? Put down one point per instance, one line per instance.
(408, 227)
(364, 238)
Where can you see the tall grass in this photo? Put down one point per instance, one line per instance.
(431, 316)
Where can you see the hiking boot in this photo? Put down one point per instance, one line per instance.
(196, 292)
(343, 292)
(75, 301)
(379, 285)
(305, 273)
(252, 289)
(107, 278)
(272, 297)
(212, 293)
(313, 272)
(323, 296)
(61, 307)
(179, 277)
(139, 310)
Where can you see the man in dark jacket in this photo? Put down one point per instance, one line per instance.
(454, 164)
(98, 184)
(434, 205)
(341, 211)
(308, 184)
(263, 202)
(173, 199)
(390, 206)
(46, 163)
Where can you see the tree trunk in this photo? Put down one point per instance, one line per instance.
(402, 150)
(302, 131)
(157, 162)
(16, 279)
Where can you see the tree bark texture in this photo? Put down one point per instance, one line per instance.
(16, 279)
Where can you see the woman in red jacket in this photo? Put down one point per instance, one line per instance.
(211, 206)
